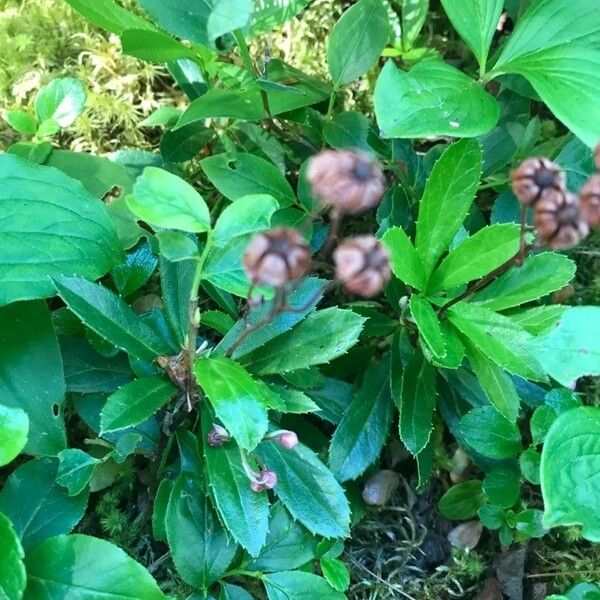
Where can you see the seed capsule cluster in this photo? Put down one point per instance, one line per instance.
(562, 219)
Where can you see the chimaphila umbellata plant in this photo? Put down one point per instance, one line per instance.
(248, 339)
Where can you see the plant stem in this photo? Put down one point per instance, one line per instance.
(331, 103)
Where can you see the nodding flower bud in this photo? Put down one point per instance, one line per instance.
(361, 264)
(559, 221)
(348, 181)
(217, 436)
(535, 178)
(276, 257)
(288, 439)
(265, 480)
(590, 201)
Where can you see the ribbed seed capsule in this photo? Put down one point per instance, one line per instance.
(361, 264)
(559, 221)
(346, 180)
(535, 178)
(276, 257)
(590, 201)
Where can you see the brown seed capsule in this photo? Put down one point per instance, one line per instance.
(559, 221)
(361, 264)
(590, 201)
(217, 436)
(535, 178)
(266, 480)
(277, 256)
(346, 180)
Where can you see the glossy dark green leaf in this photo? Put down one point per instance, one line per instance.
(49, 225)
(75, 470)
(348, 130)
(491, 434)
(502, 486)
(289, 545)
(530, 462)
(360, 436)
(404, 259)
(201, 23)
(153, 46)
(59, 568)
(177, 280)
(199, 545)
(31, 376)
(335, 572)
(446, 201)
(37, 506)
(455, 349)
(540, 275)
(538, 319)
(237, 399)
(417, 403)
(135, 402)
(14, 429)
(429, 326)
(109, 15)
(307, 489)
(159, 510)
(432, 99)
(109, 316)
(136, 270)
(184, 143)
(62, 100)
(569, 471)
(462, 501)
(297, 585)
(239, 175)
(234, 592)
(357, 41)
(245, 513)
(177, 246)
(12, 570)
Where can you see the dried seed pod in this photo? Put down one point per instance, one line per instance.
(590, 202)
(217, 436)
(535, 178)
(266, 480)
(361, 264)
(559, 221)
(348, 181)
(277, 256)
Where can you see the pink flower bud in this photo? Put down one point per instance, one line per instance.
(288, 439)
(266, 480)
(218, 436)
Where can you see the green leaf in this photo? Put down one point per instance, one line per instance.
(49, 225)
(246, 215)
(557, 52)
(62, 100)
(154, 46)
(417, 403)
(21, 121)
(108, 15)
(14, 429)
(476, 256)
(495, 382)
(12, 570)
(159, 510)
(321, 337)
(570, 471)
(177, 279)
(237, 399)
(357, 41)
(201, 23)
(239, 175)
(162, 199)
(179, 145)
(540, 275)
(538, 319)
(447, 198)
(75, 470)
(570, 349)
(336, 573)
(360, 436)
(476, 22)
(431, 100)
(135, 402)
(269, 14)
(200, 547)
(289, 545)
(296, 585)
(455, 349)
(491, 434)
(414, 15)
(502, 487)
(462, 501)
(47, 128)
(404, 259)
(136, 270)
(28, 341)
(349, 130)
(234, 592)
(429, 326)
(529, 524)
(177, 246)
(307, 489)
(499, 338)
(60, 568)
(45, 509)
(109, 316)
(530, 462)
(244, 513)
